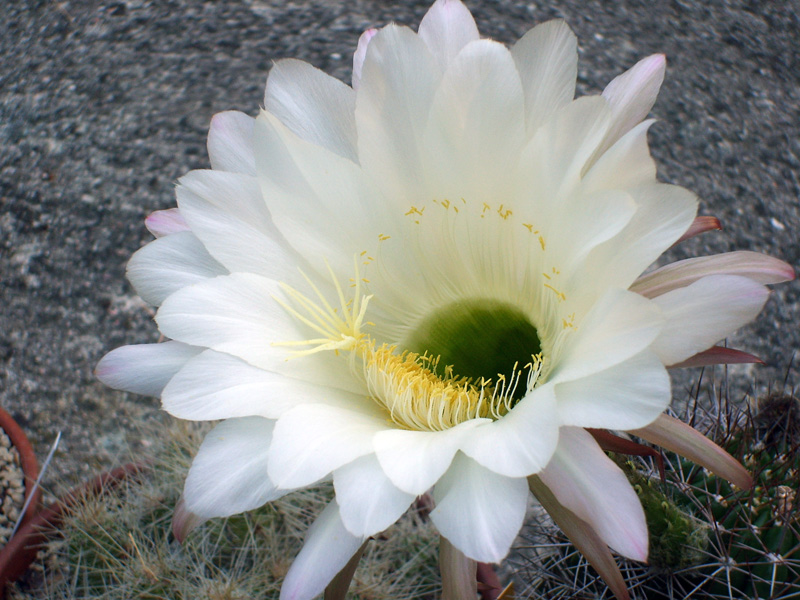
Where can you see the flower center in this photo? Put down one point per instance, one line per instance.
(480, 339)
(475, 360)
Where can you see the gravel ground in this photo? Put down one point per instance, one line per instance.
(103, 105)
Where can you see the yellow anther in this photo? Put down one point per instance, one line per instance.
(561, 295)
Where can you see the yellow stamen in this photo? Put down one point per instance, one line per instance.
(405, 383)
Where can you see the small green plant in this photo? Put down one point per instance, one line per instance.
(118, 545)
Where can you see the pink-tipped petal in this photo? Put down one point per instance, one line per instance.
(758, 267)
(230, 143)
(447, 27)
(144, 368)
(584, 538)
(676, 436)
(700, 225)
(165, 222)
(360, 54)
(704, 312)
(588, 483)
(718, 355)
(632, 95)
(184, 521)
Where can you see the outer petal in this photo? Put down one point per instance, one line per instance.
(620, 325)
(547, 60)
(583, 537)
(523, 441)
(447, 27)
(230, 143)
(201, 315)
(624, 165)
(683, 439)
(165, 222)
(758, 267)
(220, 386)
(479, 511)
(313, 440)
(628, 395)
(664, 213)
(717, 355)
(415, 460)
(144, 368)
(169, 263)
(588, 483)
(227, 213)
(368, 501)
(327, 550)
(229, 473)
(313, 105)
(704, 312)
(361, 54)
(632, 94)
(700, 225)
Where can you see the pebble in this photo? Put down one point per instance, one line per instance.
(12, 488)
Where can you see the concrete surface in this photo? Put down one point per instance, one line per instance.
(103, 105)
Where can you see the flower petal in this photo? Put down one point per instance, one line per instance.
(523, 441)
(165, 222)
(758, 267)
(312, 440)
(229, 473)
(230, 143)
(479, 511)
(626, 164)
(169, 263)
(313, 194)
(588, 483)
(552, 163)
(201, 315)
(676, 436)
(664, 212)
(327, 549)
(704, 312)
(313, 105)
(477, 109)
(220, 386)
(620, 325)
(632, 95)
(698, 226)
(583, 537)
(631, 394)
(415, 460)
(398, 81)
(547, 60)
(446, 28)
(144, 368)
(718, 355)
(361, 54)
(227, 213)
(368, 501)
